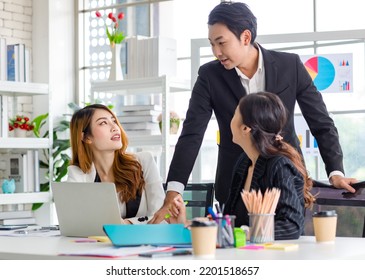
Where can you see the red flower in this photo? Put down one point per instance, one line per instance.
(115, 36)
(20, 122)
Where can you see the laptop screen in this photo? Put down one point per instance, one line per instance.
(83, 208)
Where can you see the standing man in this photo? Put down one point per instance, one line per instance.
(244, 67)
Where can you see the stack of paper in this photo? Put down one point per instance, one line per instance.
(115, 252)
(140, 119)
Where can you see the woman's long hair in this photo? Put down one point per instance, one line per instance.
(128, 174)
(266, 115)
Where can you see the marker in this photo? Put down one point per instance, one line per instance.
(211, 212)
(168, 215)
(166, 254)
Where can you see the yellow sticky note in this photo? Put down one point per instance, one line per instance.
(100, 238)
(281, 246)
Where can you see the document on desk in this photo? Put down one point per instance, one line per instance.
(115, 252)
(30, 233)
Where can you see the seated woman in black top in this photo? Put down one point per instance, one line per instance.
(268, 162)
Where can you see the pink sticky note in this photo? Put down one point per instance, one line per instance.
(85, 240)
(252, 247)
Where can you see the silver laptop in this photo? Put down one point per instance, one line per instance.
(83, 208)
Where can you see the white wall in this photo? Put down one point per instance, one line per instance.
(54, 52)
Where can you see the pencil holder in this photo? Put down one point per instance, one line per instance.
(262, 228)
(225, 234)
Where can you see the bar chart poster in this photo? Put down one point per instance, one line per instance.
(308, 144)
(332, 73)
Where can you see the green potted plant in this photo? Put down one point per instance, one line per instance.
(174, 122)
(59, 153)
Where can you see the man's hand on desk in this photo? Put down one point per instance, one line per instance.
(166, 208)
(343, 183)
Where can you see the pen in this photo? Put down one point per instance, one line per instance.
(229, 229)
(211, 212)
(166, 254)
(217, 207)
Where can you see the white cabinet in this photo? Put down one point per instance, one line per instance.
(7, 144)
(161, 86)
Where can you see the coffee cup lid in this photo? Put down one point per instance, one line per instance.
(330, 213)
(197, 223)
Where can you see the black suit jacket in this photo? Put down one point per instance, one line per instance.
(278, 172)
(219, 90)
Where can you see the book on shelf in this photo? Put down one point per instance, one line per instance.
(140, 113)
(12, 62)
(18, 221)
(37, 184)
(137, 119)
(29, 180)
(15, 170)
(21, 62)
(24, 169)
(164, 57)
(16, 207)
(16, 214)
(150, 57)
(3, 60)
(16, 63)
(139, 125)
(27, 64)
(143, 132)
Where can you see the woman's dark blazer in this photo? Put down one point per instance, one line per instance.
(218, 90)
(278, 172)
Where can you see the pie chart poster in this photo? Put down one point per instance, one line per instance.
(330, 73)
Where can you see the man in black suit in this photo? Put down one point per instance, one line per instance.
(243, 67)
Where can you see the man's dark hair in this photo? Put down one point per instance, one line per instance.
(236, 16)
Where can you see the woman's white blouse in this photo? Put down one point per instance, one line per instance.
(153, 195)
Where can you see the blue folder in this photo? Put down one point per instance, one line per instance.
(148, 234)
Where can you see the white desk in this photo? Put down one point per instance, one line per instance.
(40, 248)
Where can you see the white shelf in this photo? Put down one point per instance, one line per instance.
(151, 140)
(140, 86)
(9, 90)
(19, 198)
(22, 89)
(163, 86)
(24, 143)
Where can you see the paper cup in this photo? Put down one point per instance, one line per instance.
(204, 239)
(325, 224)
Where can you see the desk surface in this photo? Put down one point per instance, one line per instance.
(40, 248)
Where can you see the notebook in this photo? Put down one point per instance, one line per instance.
(149, 234)
(83, 208)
